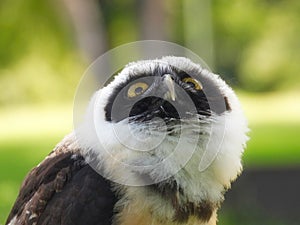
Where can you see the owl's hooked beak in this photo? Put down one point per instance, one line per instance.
(169, 83)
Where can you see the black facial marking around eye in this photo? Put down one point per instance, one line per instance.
(208, 99)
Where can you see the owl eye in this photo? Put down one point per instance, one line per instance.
(137, 89)
(195, 83)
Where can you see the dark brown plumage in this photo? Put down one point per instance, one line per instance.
(64, 190)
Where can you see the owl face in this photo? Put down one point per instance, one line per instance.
(160, 89)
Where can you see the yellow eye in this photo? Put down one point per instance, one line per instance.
(196, 84)
(137, 89)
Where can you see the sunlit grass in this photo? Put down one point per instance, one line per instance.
(274, 120)
(35, 121)
(278, 107)
(273, 145)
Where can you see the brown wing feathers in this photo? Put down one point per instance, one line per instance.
(64, 190)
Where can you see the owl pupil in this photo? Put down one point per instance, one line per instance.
(191, 84)
(138, 90)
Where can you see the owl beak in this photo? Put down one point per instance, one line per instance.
(168, 81)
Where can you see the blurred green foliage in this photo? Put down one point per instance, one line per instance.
(38, 58)
(31, 24)
(256, 44)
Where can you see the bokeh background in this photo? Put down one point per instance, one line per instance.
(45, 47)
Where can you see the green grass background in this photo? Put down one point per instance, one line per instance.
(29, 133)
